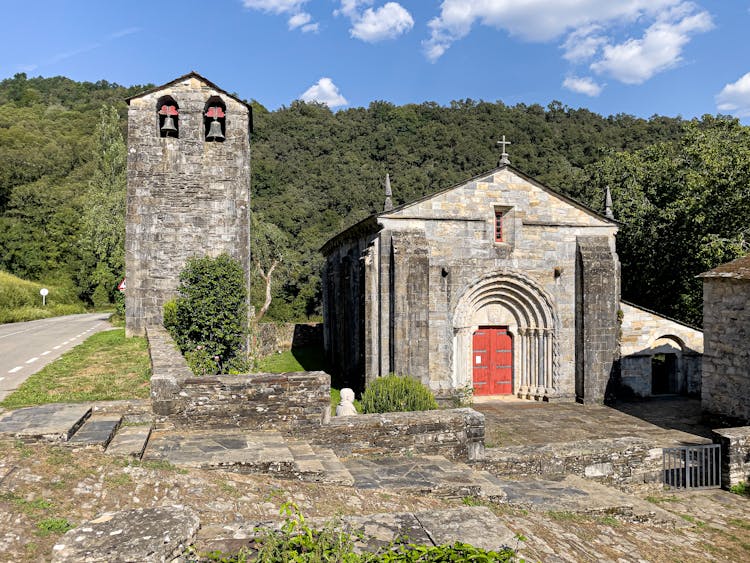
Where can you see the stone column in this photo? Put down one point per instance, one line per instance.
(548, 362)
(523, 375)
(539, 362)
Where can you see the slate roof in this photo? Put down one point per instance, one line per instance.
(736, 269)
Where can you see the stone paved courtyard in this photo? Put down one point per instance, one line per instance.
(668, 421)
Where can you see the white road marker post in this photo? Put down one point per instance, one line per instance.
(44, 292)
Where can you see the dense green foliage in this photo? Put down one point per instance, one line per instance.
(396, 393)
(209, 318)
(298, 542)
(679, 187)
(20, 300)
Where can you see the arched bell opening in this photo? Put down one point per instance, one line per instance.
(214, 120)
(168, 117)
(514, 317)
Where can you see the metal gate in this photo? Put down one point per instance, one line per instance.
(692, 467)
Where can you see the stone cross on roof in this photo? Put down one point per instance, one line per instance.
(504, 155)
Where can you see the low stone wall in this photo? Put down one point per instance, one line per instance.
(255, 401)
(735, 455)
(628, 463)
(299, 404)
(453, 433)
(279, 337)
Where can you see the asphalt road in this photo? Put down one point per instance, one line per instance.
(25, 348)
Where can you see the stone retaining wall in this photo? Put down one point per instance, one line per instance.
(628, 463)
(255, 401)
(299, 404)
(453, 433)
(735, 455)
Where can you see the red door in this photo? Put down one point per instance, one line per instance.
(492, 359)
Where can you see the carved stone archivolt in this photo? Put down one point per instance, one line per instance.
(529, 312)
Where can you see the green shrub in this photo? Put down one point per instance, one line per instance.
(209, 318)
(742, 489)
(395, 393)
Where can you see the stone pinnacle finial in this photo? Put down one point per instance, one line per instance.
(608, 204)
(504, 155)
(388, 202)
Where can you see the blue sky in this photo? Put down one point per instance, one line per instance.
(641, 57)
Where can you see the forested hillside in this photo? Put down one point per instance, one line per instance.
(681, 188)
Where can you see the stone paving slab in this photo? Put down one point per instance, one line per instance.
(335, 471)
(475, 525)
(98, 430)
(230, 450)
(578, 495)
(428, 474)
(144, 535)
(130, 441)
(55, 422)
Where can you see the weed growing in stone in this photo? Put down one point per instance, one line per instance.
(742, 489)
(53, 526)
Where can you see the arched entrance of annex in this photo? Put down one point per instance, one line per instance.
(668, 375)
(505, 338)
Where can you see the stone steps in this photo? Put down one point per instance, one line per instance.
(97, 431)
(51, 423)
(130, 441)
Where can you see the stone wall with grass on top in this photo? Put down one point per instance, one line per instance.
(735, 455)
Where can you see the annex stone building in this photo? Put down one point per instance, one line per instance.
(188, 188)
(726, 324)
(500, 285)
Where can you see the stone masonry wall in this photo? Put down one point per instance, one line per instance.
(298, 404)
(735, 455)
(256, 401)
(726, 359)
(644, 334)
(454, 433)
(628, 463)
(185, 196)
(597, 322)
(278, 337)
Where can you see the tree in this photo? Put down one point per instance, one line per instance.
(103, 222)
(269, 249)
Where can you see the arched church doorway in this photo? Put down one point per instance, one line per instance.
(664, 374)
(493, 361)
(505, 338)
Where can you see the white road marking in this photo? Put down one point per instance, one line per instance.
(45, 353)
(32, 360)
(15, 369)
(66, 342)
(57, 347)
(17, 332)
(1, 378)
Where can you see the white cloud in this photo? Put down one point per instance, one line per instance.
(734, 98)
(587, 29)
(350, 8)
(299, 19)
(582, 85)
(326, 92)
(275, 6)
(387, 22)
(637, 60)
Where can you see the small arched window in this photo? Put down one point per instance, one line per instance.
(168, 113)
(214, 120)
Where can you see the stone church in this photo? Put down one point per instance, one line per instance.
(500, 285)
(188, 191)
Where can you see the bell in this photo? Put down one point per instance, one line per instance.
(168, 127)
(214, 132)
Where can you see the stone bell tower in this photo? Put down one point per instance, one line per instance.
(188, 189)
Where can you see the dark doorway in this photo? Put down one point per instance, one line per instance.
(664, 374)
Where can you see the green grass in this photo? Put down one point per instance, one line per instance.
(106, 367)
(298, 359)
(20, 300)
